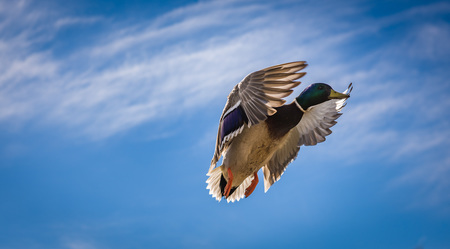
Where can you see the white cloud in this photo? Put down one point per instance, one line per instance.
(429, 42)
(116, 91)
(431, 180)
(192, 55)
(186, 59)
(72, 21)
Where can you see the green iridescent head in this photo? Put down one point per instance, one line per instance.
(318, 93)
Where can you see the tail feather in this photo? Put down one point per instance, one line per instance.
(215, 189)
(214, 183)
(239, 193)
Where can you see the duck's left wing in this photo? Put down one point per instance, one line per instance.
(254, 99)
(312, 129)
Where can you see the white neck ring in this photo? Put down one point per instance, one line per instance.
(299, 106)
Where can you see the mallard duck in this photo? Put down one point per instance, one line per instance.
(256, 129)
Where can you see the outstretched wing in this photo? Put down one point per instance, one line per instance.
(312, 129)
(254, 99)
(281, 159)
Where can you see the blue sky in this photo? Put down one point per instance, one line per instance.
(109, 113)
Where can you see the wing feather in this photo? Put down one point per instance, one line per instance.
(276, 166)
(257, 95)
(312, 129)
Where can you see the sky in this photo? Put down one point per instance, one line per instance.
(109, 113)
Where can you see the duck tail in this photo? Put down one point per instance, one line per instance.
(216, 183)
(239, 192)
(213, 182)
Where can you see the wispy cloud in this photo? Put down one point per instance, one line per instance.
(73, 21)
(96, 77)
(431, 180)
(185, 59)
(138, 74)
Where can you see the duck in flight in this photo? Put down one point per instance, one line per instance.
(256, 129)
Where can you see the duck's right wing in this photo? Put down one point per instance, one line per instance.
(312, 129)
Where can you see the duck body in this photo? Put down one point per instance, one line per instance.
(255, 146)
(259, 132)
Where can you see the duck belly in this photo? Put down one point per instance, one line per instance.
(248, 152)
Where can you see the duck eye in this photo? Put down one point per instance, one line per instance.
(320, 87)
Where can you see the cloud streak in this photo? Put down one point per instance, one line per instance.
(184, 60)
(140, 73)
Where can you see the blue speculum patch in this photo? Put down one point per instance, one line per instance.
(233, 121)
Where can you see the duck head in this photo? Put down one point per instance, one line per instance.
(318, 93)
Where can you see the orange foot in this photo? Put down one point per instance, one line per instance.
(249, 189)
(227, 188)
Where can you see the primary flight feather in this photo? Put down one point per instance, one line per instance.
(256, 129)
